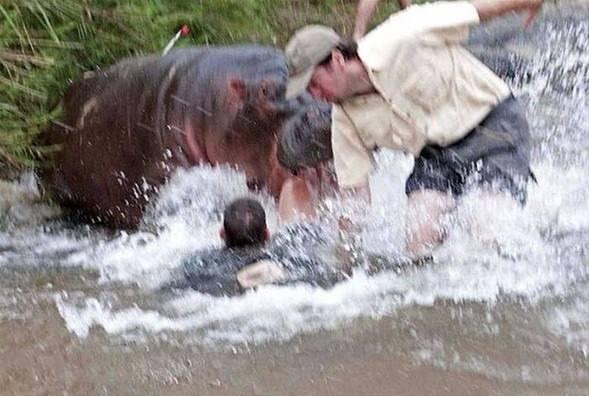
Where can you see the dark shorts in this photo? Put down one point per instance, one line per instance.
(496, 153)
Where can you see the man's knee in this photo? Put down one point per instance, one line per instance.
(430, 202)
(425, 226)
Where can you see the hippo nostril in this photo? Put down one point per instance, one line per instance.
(255, 184)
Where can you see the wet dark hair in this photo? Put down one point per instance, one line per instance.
(305, 139)
(348, 48)
(244, 222)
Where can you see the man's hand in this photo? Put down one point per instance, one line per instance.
(489, 9)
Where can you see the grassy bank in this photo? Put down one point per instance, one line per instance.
(44, 44)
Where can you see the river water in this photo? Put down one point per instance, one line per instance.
(504, 308)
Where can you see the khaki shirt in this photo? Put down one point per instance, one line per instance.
(430, 89)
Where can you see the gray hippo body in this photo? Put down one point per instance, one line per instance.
(127, 128)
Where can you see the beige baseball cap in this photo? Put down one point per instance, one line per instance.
(306, 49)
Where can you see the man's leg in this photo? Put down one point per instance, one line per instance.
(496, 153)
(425, 212)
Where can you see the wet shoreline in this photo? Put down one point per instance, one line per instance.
(39, 356)
(400, 353)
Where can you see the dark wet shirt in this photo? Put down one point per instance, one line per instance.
(297, 251)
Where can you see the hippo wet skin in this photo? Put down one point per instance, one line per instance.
(125, 129)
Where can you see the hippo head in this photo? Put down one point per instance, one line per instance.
(265, 102)
(269, 97)
(244, 133)
(277, 121)
(244, 103)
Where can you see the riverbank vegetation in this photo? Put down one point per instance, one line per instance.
(44, 44)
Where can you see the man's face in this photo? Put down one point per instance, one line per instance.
(328, 82)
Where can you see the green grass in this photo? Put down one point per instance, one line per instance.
(44, 44)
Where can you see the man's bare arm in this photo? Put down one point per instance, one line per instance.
(489, 9)
(365, 11)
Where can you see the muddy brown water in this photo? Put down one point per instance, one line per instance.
(39, 356)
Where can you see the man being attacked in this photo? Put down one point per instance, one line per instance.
(410, 85)
(250, 258)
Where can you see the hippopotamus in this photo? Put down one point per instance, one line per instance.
(126, 128)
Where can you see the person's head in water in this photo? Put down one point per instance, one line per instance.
(244, 224)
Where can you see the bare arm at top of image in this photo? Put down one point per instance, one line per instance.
(489, 9)
(365, 11)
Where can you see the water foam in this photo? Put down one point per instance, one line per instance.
(510, 258)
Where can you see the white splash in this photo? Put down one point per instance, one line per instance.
(508, 257)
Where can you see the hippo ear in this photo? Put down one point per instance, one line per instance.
(236, 95)
(236, 89)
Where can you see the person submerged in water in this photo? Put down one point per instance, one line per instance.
(250, 258)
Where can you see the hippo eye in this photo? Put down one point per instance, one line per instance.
(255, 184)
